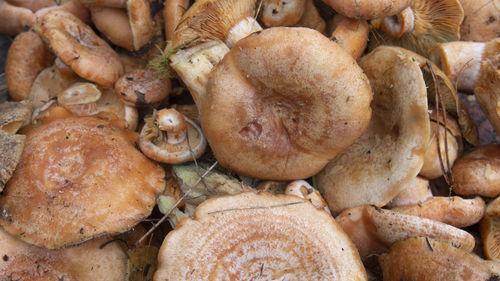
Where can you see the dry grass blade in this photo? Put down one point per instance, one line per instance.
(176, 204)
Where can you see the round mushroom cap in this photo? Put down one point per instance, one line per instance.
(276, 108)
(141, 87)
(27, 57)
(79, 178)
(114, 24)
(368, 9)
(282, 13)
(247, 235)
(76, 44)
(390, 153)
(89, 261)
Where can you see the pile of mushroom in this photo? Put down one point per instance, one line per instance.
(280, 139)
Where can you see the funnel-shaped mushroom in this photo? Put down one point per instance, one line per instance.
(259, 236)
(368, 9)
(275, 107)
(390, 153)
(89, 261)
(421, 26)
(79, 178)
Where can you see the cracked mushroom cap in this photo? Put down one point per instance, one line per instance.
(368, 9)
(258, 236)
(76, 44)
(427, 259)
(79, 178)
(274, 109)
(89, 261)
(390, 153)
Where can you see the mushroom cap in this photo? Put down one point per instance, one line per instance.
(478, 172)
(311, 18)
(282, 13)
(351, 34)
(141, 22)
(481, 20)
(489, 228)
(390, 153)
(33, 5)
(142, 87)
(248, 235)
(436, 21)
(14, 115)
(114, 24)
(48, 84)
(78, 46)
(416, 192)
(427, 259)
(487, 88)
(208, 20)
(89, 261)
(274, 109)
(170, 120)
(79, 93)
(368, 9)
(79, 178)
(11, 148)
(27, 57)
(14, 19)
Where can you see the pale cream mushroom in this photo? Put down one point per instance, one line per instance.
(48, 84)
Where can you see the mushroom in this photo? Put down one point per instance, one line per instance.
(374, 230)
(454, 211)
(48, 84)
(428, 259)
(489, 228)
(416, 192)
(169, 137)
(421, 26)
(487, 88)
(261, 236)
(14, 116)
(141, 22)
(390, 153)
(105, 3)
(478, 172)
(11, 148)
(14, 19)
(78, 46)
(282, 12)
(89, 261)
(33, 5)
(80, 99)
(481, 20)
(111, 108)
(368, 9)
(285, 116)
(142, 87)
(27, 57)
(63, 69)
(304, 190)
(75, 183)
(173, 11)
(350, 34)
(114, 24)
(311, 18)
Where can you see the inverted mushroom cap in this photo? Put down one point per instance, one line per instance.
(78, 46)
(390, 153)
(24, 262)
(276, 108)
(367, 9)
(258, 236)
(79, 178)
(27, 57)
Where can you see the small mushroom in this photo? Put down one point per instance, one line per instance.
(350, 34)
(416, 192)
(173, 11)
(80, 99)
(390, 153)
(478, 172)
(373, 230)
(14, 19)
(421, 26)
(27, 57)
(75, 183)
(261, 236)
(368, 9)
(311, 18)
(76, 44)
(481, 20)
(48, 84)
(304, 190)
(282, 12)
(142, 87)
(170, 137)
(93, 260)
(428, 259)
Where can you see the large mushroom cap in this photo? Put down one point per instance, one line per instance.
(78, 46)
(260, 237)
(283, 102)
(78, 178)
(24, 262)
(390, 153)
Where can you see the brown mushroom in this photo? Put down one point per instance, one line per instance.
(48, 84)
(14, 19)
(173, 11)
(481, 20)
(142, 87)
(80, 99)
(27, 57)
(428, 259)
(141, 22)
(78, 46)
(33, 5)
(89, 261)
(350, 34)
(390, 153)
(489, 228)
(311, 18)
(75, 183)
(416, 192)
(367, 9)
(259, 235)
(113, 23)
(63, 69)
(282, 12)
(478, 172)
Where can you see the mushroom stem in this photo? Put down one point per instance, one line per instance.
(400, 23)
(460, 61)
(241, 30)
(173, 124)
